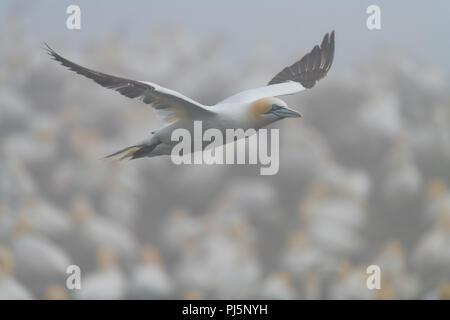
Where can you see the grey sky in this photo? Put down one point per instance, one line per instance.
(422, 27)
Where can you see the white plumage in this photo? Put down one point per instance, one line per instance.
(254, 108)
(149, 279)
(106, 283)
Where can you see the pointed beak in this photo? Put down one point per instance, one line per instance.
(288, 113)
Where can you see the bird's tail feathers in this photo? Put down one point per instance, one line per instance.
(133, 152)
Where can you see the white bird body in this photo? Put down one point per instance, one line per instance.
(38, 257)
(103, 285)
(277, 286)
(108, 282)
(223, 116)
(11, 289)
(250, 109)
(94, 231)
(151, 281)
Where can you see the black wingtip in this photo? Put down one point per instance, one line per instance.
(312, 67)
(329, 38)
(50, 51)
(332, 39)
(47, 48)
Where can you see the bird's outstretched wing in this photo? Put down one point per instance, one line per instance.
(169, 105)
(301, 75)
(312, 67)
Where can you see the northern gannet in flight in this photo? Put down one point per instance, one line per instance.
(254, 108)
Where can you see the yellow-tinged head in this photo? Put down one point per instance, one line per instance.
(271, 109)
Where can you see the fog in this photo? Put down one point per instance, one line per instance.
(363, 177)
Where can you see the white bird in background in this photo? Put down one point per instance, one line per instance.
(108, 282)
(10, 288)
(250, 109)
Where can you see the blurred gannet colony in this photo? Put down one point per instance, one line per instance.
(364, 179)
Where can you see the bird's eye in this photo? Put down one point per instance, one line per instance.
(275, 107)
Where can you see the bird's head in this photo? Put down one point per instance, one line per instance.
(269, 110)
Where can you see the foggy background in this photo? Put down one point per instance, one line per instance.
(363, 176)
